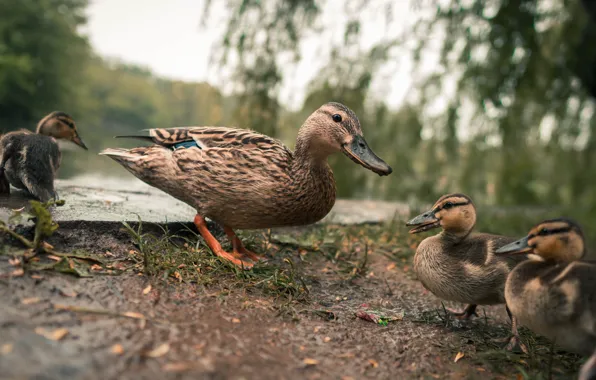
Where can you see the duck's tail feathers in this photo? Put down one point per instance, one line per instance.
(142, 135)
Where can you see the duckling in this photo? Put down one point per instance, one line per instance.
(552, 292)
(458, 264)
(29, 161)
(245, 180)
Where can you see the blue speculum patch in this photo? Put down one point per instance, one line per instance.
(186, 144)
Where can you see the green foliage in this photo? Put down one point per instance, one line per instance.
(516, 127)
(42, 56)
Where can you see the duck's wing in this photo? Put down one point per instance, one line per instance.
(481, 249)
(208, 137)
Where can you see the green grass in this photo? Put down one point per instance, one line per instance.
(185, 258)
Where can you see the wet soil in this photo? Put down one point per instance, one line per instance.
(186, 329)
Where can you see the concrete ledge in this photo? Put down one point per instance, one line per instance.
(89, 198)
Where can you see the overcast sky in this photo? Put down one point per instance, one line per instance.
(166, 37)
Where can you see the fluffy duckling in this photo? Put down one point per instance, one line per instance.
(29, 161)
(458, 264)
(553, 293)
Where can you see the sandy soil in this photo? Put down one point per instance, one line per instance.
(178, 328)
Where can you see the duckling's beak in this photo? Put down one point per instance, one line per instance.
(77, 140)
(359, 152)
(424, 222)
(518, 246)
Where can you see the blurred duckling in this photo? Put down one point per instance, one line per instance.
(460, 265)
(553, 293)
(29, 161)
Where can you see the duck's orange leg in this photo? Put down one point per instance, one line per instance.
(238, 247)
(214, 245)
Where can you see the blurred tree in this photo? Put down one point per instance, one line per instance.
(261, 39)
(42, 58)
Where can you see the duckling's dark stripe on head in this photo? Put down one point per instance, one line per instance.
(546, 231)
(186, 144)
(449, 205)
(571, 226)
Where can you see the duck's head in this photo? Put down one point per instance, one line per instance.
(454, 213)
(553, 240)
(336, 128)
(60, 126)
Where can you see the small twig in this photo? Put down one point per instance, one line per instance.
(389, 291)
(26, 242)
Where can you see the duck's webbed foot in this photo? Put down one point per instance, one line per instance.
(515, 340)
(588, 370)
(215, 247)
(4, 184)
(239, 250)
(466, 314)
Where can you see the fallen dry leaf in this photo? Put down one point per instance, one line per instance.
(54, 257)
(235, 320)
(147, 290)
(68, 293)
(132, 314)
(160, 350)
(373, 363)
(108, 253)
(326, 339)
(96, 267)
(6, 349)
(58, 334)
(14, 262)
(30, 301)
(36, 277)
(309, 361)
(117, 349)
(17, 272)
(47, 245)
(178, 276)
(458, 357)
(177, 367)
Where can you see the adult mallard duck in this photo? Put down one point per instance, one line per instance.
(245, 180)
(29, 161)
(458, 264)
(554, 291)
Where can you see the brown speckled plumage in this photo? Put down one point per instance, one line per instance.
(243, 179)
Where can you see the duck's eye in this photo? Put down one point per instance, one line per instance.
(448, 205)
(543, 231)
(337, 118)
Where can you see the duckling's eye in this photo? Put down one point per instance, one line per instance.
(337, 118)
(543, 232)
(448, 205)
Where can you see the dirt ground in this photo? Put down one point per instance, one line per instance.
(159, 308)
